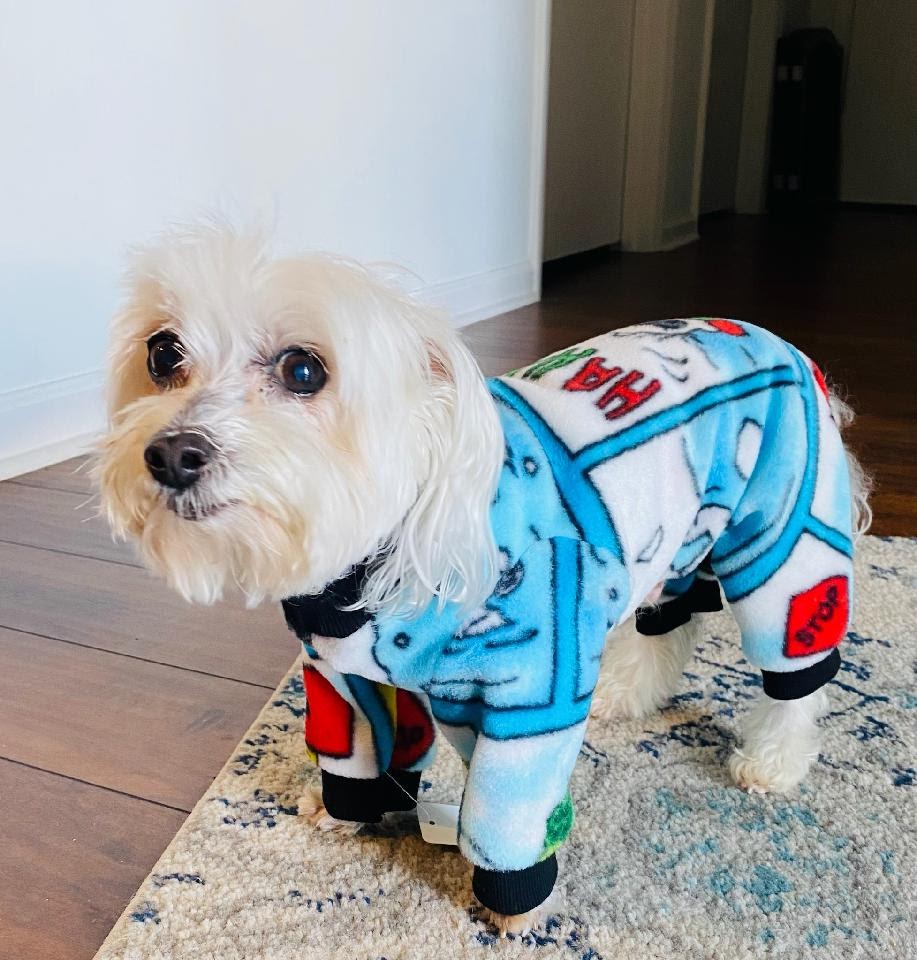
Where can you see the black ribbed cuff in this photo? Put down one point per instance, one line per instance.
(703, 596)
(402, 793)
(366, 800)
(796, 684)
(515, 891)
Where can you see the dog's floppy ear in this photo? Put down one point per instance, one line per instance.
(444, 546)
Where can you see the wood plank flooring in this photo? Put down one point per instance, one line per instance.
(72, 855)
(844, 290)
(119, 608)
(119, 702)
(140, 728)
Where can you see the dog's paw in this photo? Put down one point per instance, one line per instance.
(613, 701)
(517, 924)
(312, 808)
(780, 742)
(776, 775)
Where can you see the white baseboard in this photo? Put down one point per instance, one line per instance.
(484, 295)
(49, 422)
(678, 234)
(38, 457)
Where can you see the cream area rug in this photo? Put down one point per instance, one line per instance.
(667, 858)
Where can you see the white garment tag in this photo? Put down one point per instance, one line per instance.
(438, 822)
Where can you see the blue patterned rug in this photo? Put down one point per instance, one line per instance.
(667, 858)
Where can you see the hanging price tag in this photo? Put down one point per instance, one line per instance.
(439, 822)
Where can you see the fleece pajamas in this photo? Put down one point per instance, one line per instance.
(691, 452)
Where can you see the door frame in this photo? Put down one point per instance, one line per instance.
(646, 223)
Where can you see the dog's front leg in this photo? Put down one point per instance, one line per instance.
(345, 804)
(312, 806)
(516, 812)
(370, 741)
(518, 924)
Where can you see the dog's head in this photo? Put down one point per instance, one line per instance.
(275, 421)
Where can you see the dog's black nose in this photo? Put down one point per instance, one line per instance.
(177, 460)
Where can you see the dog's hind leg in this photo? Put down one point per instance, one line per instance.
(646, 656)
(639, 672)
(792, 599)
(791, 627)
(780, 739)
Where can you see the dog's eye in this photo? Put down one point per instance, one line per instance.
(164, 356)
(301, 371)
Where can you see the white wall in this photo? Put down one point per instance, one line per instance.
(587, 124)
(409, 132)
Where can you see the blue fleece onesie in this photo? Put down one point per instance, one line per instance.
(673, 452)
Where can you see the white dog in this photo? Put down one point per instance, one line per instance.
(455, 549)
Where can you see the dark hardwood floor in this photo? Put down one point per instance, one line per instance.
(119, 703)
(844, 291)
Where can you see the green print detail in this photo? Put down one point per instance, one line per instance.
(556, 360)
(558, 827)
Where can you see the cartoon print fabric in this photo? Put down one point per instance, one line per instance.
(630, 459)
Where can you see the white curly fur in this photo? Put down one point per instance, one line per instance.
(640, 673)
(780, 739)
(861, 482)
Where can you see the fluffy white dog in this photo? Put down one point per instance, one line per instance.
(455, 549)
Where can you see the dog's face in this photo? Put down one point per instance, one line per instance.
(274, 422)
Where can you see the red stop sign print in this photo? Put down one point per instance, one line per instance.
(817, 618)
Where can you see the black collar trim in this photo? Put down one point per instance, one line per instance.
(321, 613)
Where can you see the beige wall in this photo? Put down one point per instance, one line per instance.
(768, 20)
(879, 134)
(688, 89)
(724, 105)
(879, 124)
(668, 105)
(587, 119)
